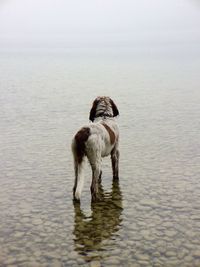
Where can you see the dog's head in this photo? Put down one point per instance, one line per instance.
(103, 106)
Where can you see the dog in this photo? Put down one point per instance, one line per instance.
(94, 141)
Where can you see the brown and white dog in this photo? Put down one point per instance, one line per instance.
(94, 141)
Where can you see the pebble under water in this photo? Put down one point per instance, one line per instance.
(151, 216)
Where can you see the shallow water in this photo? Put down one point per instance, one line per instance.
(151, 217)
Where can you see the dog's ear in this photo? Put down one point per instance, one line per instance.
(93, 110)
(114, 108)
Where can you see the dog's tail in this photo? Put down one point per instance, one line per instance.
(78, 149)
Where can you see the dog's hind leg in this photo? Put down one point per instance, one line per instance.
(95, 162)
(100, 175)
(115, 163)
(79, 179)
(95, 178)
(76, 177)
(78, 149)
(79, 173)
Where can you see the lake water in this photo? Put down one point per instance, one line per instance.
(151, 217)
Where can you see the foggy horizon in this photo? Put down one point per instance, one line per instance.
(99, 23)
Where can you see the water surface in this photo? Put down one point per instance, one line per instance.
(151, 217)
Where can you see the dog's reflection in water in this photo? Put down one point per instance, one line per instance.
(104, 221)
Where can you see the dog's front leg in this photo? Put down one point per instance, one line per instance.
(115, 163)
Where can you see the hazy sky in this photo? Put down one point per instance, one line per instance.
(100, 20)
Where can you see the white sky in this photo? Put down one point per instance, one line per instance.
(97, 20)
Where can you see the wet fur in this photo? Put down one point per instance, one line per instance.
(94, 141)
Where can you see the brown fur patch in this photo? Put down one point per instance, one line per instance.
(81, 137)
(93, 110)
(114, 108)
(111, 133)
